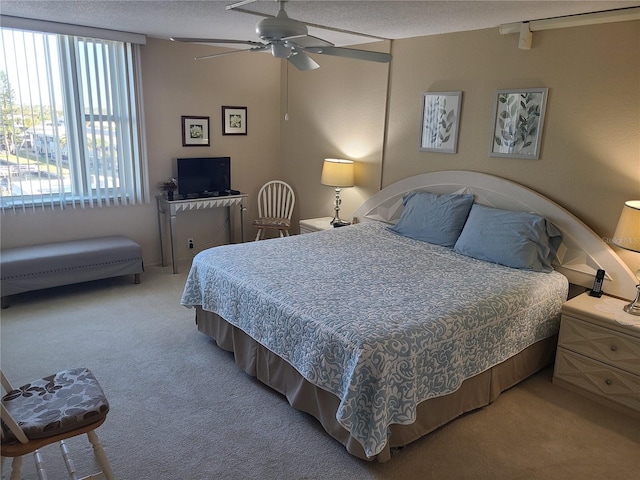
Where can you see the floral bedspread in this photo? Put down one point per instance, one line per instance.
(380, 320)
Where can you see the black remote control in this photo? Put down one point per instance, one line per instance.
(596, 291)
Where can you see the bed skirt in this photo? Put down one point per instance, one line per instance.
(270, 369)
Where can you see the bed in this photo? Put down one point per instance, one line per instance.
(385, 330)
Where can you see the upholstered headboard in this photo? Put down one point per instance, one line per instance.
(581, 254)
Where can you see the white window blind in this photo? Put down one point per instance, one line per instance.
(72, 132)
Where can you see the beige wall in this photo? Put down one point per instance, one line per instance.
(335, 111)
(369, 112)
(590, 155)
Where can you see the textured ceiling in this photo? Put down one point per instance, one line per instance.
(385, 19)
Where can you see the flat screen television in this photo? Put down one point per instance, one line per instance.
(203, 177)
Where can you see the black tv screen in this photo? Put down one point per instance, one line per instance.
(204, 176)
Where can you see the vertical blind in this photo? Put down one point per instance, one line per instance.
(71, 128)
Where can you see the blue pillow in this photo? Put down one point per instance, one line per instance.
(515, 239)
(433, 218)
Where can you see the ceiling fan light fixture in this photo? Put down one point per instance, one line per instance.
(280, 50)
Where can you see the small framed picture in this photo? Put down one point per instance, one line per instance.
(518, 118)
(195, 131)
(440, 122)
(234, 120)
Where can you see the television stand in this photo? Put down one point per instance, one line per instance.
(171, 208)
(197, 196)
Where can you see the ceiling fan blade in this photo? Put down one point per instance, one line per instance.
(213, 55)
(216, 40)
(352, 53)
(238, 4)
(308, 41)
(303, 62)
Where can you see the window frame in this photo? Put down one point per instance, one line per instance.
(118, 86)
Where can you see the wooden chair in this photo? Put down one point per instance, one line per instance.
(275, 207)
(30, 421)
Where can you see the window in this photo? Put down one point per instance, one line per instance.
(71, 130)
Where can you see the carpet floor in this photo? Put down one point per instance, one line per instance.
(182, 409)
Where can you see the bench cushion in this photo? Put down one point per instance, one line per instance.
(43, 266)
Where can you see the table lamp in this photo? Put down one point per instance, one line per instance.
(627, 236)
(337, 173)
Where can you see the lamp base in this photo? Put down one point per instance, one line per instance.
(634, 307)
(336, 217)
(339, 223)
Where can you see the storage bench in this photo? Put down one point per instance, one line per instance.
(35, 267)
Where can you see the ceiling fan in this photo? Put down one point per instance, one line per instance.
(287, 38)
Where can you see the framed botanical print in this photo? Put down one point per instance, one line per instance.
(440, 122)
(195, 131)
(518, 118)
(234, 120)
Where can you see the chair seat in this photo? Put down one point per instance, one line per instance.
(272, 222)
(56, 404)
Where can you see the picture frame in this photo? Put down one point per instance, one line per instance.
(440, 121)
(518, 121)
(195, 131)
(234, 120)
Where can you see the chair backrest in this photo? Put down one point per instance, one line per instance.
(6, 417)
(5, 383)
(276, 199)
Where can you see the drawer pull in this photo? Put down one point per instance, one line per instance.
(608, 381)
(614, 348)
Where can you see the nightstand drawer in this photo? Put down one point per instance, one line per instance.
(618, 349)
(599, 379)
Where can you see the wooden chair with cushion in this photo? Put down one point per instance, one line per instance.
(50, 410)
(275, 207)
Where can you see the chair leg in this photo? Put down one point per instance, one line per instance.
(258, 235)
(100, 455)
(15, 468)
(42, 474)
(71, 468)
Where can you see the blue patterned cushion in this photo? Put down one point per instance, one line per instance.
(56, 404)
(272, 222)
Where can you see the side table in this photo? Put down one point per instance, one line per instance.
(171, 208)
(598, 352)
(315, 224)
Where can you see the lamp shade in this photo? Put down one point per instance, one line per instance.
(628, 230)
(337, 172)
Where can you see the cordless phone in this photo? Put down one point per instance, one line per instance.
(596, 291)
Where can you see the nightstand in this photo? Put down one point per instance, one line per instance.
(598, 352)
(315, 224)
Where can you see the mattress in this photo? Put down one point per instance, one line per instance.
(381, 321)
